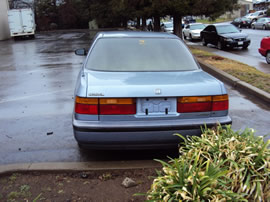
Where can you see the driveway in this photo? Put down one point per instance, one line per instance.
(37, 80)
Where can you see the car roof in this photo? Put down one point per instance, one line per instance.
(221, 24)
(135, 34)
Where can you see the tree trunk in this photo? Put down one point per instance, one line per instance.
(177, 25)
(138, 23)
(156, 23)
(143, 23)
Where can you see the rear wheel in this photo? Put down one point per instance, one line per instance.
(190, 36)
(268, 57)
(204, 42)
(184, 35)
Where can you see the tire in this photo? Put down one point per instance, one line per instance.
(190, 36)
(252, 27)
(244, 47)
(204, 42)
(184, 36)
(267, 58)
(220, 46)
(263, 27)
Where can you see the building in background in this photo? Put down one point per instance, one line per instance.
(246, 6)
(4, 28)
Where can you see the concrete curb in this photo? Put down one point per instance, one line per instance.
(242, 86)
(77, 166)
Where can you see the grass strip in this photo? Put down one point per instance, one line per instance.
(208, 21)
(237, 69)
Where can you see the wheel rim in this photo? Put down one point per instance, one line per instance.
(219, 45)
(268, 58)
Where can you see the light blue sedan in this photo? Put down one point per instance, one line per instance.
(136, 89)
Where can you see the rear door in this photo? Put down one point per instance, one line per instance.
(15, 24)
(27, 20)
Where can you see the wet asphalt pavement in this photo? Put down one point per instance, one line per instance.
(37, 80)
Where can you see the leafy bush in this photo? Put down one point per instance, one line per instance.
(221, 165)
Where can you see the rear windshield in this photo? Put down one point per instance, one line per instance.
(226, 29)
(140, 54)
(199, 26)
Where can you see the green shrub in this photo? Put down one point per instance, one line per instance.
(221, 165)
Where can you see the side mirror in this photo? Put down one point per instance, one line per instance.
(81, 52)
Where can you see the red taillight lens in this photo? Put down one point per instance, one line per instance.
(194, 107)
(86, 109)
(117, 109)
(220, 106)
(202, 104)
(220, 103)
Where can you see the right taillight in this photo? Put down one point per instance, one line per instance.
(220, 103)
(202, 104)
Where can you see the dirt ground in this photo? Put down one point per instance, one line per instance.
(75, 186)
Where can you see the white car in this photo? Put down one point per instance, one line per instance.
(257, 15)
(193, 30)
(167, 27)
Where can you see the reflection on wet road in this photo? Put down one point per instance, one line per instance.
(37, 80)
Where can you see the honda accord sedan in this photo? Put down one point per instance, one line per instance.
(224, 36)
(135, 90)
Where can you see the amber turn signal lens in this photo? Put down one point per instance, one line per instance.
(90, 101)
(195, 99)
(117, 101)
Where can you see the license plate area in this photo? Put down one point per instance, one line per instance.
(240, 42)
(156, 107)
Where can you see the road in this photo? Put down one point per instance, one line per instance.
(251, 56)
(37, 80)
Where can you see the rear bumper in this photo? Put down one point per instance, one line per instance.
(139, 134)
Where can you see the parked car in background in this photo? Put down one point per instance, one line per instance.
(224, 36)
(242, 22)
(167, 27)
(189, 19)
(136, 89)
(257, 15)
(262, 23)
(264, 49)
(193, 31)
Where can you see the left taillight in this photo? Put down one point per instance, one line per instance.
(114, 106)
(105, 106)
(202, 104)
(86, 106)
